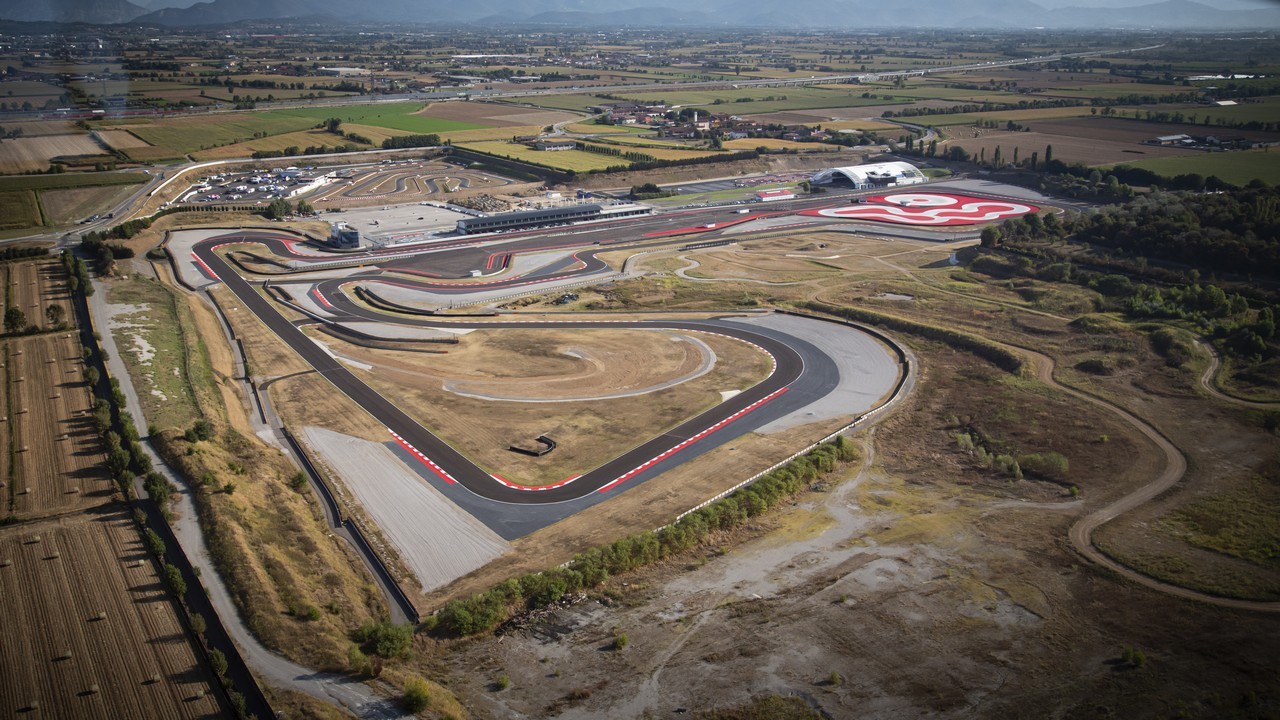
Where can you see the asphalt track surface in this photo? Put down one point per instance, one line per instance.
(799, 373)
(451, 466)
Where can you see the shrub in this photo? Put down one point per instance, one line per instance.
(385, 638)
(219, 662)
(416, 695)
(620, 641)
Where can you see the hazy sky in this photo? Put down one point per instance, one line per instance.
(1223, 4)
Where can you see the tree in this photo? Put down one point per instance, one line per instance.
(278, 209)
(14, 320)
(55, 314)
(173, 579)
(990, 237)
(219, 662)
(304, 208)
(1048, 154)
(333, 125)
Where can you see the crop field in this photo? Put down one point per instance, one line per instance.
(71, 180)
(396, 116)
(37, 128)
(88, 630)
(1002, 116)
(181, 135)
(301, 140)
(18, 209)
(121, 139)
(1237, 168)
(1125, 130)
(676, 153)
(493, 114)
(777, 144)
(34, 153)
(1067, 149)
(64, 207)
(752, 101)
(576, 160)
(1260, 110)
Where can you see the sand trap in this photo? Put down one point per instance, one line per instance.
(437, 539)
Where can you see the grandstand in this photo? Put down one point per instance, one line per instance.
(873, 175)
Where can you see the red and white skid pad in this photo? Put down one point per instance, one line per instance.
(927, 208)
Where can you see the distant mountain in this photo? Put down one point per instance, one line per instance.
(834, 14)
(102, 12)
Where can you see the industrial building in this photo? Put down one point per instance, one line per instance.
(872, 175)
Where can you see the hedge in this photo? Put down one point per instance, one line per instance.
(482, 612)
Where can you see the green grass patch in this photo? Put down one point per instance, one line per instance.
(19, 210)
(1237, 168)
(153, 345)
(190, 134)
(576, 160)
(396, 116)
(70, 180)
(1244, 523)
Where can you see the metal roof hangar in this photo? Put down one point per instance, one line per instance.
(887, 174)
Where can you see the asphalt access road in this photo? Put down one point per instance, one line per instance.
(451, 465)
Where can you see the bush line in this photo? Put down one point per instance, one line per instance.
(1004, 359)
(485, 611)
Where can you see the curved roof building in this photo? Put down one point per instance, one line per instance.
(871, 175)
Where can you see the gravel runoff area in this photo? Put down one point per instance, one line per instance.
(867, 371)
(438, 540)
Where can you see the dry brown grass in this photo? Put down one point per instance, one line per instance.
(588, 432)
(34, 153)
(122, 139)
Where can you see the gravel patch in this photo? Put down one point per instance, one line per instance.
(437, 540)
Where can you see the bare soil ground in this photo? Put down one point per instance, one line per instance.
(34, 153)
(921, 587)
(133, 661)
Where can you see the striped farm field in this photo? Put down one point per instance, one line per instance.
(121, 139)
(494, 133)
(18, 209)
(1002, 116)
(88, 631)
(182, 135)
(301, 140)
(576, 160)
(676, 153)
(395, 116)
(34, 153)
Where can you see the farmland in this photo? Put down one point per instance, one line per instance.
(395, 116)
(34, 153)
(19, 209)
(1067, 149)
(89, 629)
(576, 160)
(65, 198)
(1238, 168)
